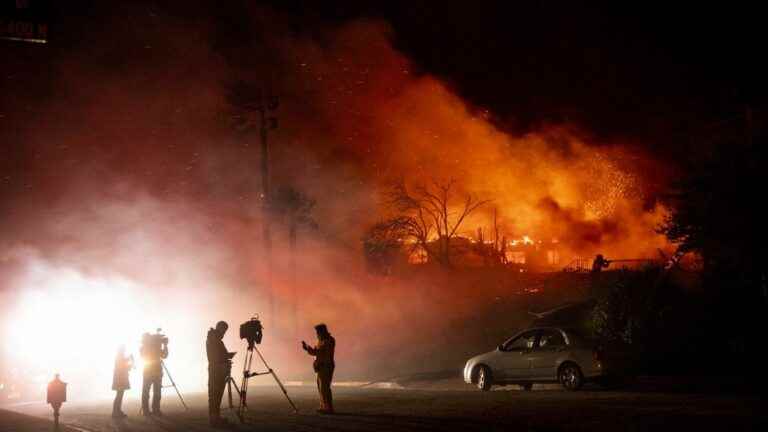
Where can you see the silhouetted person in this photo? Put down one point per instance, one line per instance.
(153, 351)
(599, 264)
(120, 381)
(56, 396)
(219, 368)
(323, 365)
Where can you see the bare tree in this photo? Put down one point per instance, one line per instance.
(383, 244)
(294, 208)
(427, 215)
(493, 251)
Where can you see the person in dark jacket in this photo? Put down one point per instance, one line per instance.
(599, 264)
(120, 382)
(323, 365)
(219, 368)
(153, 351)
(56, 395)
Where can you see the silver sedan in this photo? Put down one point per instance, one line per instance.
(538, 355)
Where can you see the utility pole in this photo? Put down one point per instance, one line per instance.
(254, 104)
(267, 105)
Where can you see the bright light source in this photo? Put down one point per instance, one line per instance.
(72, 323)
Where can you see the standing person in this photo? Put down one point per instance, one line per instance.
(323, 365)
(599, 263)
(56, 395)
(154, 348)
(219, 369)
(120, 381)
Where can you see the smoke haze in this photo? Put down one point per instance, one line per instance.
(125, 166)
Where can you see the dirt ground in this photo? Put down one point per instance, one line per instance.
(447, 409)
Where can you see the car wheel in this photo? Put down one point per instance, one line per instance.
(570, 377)
(484, 380)
(527, 386)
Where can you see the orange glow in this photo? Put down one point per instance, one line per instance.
(162, 226)
(552, 182)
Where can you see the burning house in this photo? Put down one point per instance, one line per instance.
(523, 254)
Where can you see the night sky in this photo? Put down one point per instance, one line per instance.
(645, 71)
(651, 71)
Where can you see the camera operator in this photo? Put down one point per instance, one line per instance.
(154, 348)
(219, 369)
(323, 365)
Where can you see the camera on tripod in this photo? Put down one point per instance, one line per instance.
(154, 348)
(155, 342)
(252, 331)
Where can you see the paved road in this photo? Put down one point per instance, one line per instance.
(445, 410)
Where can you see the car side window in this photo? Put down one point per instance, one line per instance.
(523, 342)
(551, 339)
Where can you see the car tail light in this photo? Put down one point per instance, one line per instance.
(597, 354)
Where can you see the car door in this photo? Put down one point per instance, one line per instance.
(544, 357)
(514, 362)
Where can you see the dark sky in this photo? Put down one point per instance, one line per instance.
(646, 71)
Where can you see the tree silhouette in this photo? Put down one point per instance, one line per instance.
(428, 217)
(294, 208)
(717, 213)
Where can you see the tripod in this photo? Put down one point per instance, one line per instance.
(173, 384)
(247, 374)
(231, 382)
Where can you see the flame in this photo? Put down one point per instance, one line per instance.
(525, 240)
(552, 182)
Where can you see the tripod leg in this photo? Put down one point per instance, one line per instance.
(285, 392)
(231, 383)
(244, 386)
(174, 385)
(242, 406)
(229, 392)
(237, 389)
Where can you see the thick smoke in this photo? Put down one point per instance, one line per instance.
(388, 122)
(130, 168)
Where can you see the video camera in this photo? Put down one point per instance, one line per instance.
(157, 340)
(252, 331)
